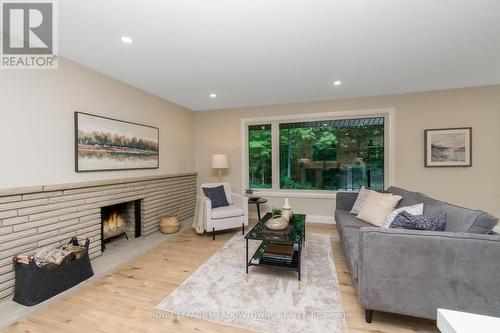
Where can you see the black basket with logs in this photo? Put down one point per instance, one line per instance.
(36, 284)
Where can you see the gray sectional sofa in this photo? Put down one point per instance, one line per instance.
(414, 272)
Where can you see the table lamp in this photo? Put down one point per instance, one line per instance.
(219, 161)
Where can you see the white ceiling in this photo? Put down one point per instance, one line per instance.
(259, 52)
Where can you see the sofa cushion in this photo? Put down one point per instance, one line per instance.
(345, 200)
(351, 236)
(409, 198)
(459, 219)
(226, 212)
(348, 226)
(483, 224)
(462, 219)
(344, 219)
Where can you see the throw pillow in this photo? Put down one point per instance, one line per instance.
(377, 207)
(417, 209)
(435, 222)
(360, 200)
(429, 222)
(403, 221)
(217, 196)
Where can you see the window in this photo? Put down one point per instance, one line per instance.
(332, 154)
(315, 155)
(260, 156)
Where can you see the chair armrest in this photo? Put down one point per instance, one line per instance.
(207, 213)
(241, 201)
(414, 272)
(345, 200)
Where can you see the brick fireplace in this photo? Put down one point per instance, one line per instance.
(49, 215)
(120, 220)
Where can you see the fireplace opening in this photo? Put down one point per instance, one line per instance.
(122, 220)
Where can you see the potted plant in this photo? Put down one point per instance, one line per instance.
(276, 212)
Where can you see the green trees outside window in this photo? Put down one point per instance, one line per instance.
(260, 156)
(319, 155)
(332, 155)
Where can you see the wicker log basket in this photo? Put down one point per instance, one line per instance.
(170, 224)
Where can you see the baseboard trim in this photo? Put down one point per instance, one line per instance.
(322, 219)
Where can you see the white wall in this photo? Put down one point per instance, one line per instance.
(37, 124)
(218, 131)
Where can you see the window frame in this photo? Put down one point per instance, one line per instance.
(247, 153)
(389, 148)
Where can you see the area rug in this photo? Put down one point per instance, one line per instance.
(267, 299)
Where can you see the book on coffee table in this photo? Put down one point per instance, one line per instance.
(279, 253)
(280, 249)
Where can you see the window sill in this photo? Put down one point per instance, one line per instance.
(297, 194)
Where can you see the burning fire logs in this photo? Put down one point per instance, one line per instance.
(114, 225)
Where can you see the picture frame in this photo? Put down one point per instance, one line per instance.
(108, 144)
(448, 147)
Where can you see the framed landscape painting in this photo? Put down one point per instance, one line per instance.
(103, 144)
(448, 147)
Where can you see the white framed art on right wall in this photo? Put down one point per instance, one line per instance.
(448, 147)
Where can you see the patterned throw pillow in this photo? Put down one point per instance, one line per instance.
(217, 196)
(417, 209)
(405, 220)
(360, 200)
(435, 222)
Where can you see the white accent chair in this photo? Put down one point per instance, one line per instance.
(222, 218)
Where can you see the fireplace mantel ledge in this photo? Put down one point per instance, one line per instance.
(75, 185)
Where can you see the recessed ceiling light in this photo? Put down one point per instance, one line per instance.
(337, 83)
(213, 95)
(126, 39)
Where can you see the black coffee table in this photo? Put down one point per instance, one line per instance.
(294, 236)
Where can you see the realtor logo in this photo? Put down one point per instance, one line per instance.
(28, 38)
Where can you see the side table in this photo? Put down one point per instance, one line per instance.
(257, 202)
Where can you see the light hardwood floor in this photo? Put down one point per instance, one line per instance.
(124, 300)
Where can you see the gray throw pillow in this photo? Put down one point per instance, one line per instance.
(217, 196)
(405, 220)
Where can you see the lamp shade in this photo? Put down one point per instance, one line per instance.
(219, 161)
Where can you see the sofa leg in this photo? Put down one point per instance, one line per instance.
(243, 228)
(213, 234)
(368, 316)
